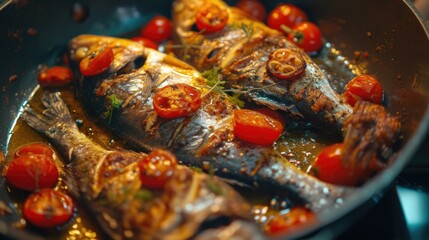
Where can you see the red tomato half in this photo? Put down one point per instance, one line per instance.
(211, 18)
(158, 29)
(34, 148)
(157, 168)
(364, 87)
(307, 36)
(56, 76)
(146, 42)
(254, 8)
(97, 62)
(256, 127)
(32, 171)
(286, 14)
(329, 168)
(286, 64)
(297, 218)
(48, 208)
(177, 100)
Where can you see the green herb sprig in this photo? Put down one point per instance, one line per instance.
(114, 104)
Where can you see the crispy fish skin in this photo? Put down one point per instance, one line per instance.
(241, 50)
(108, 181)
(242, 55)
(205, 139)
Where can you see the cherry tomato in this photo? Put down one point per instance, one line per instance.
(56, 76)
(157, 168)
(285, 14)
(286, 64)
(329, 168)
(211, 18)
(32, 171)
(307, 36)
(146, 42)
(34, 148)
(254, 8)
(177, 100)
(96, 63)
(364, 87)
(48, 208)
(297, 218)
(158, 29)
(256, 127)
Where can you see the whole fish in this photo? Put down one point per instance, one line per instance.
(243, 52)
(204, 139)
(109, 182)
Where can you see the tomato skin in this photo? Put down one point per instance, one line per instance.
(254, 8)
(32, 171)
(211, 18)
(329, 168)
(56, 76)
(256, 127)
(145, 42)
(364, 87)
(94, 64)
(285, 14)
(297, 218)
(34, 148)
(177, 100)
(307, 36)
(48, 208)
(158, 29)
(157, 168)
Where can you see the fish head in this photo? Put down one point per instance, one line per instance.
(131, 59)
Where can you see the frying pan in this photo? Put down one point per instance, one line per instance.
(36, 32)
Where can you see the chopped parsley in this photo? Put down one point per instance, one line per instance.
(115, 103)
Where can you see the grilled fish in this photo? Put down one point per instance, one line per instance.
(204, 139)
(242, 50)
(108, 181)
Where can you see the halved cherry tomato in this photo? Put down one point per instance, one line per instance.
(146, 42)
(48, 208)
(157, 29)
(157, 168)
(286, 64)
(297, 218)
(96, 63)
(364, 87)
(256, 127)
(32, 171)
(56, 76)
(177, 100)
(285, 14)
(254, 8)
(329, 168)
(34, 148)
(211, 18)
(307, 36)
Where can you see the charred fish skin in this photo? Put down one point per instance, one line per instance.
(242, 56)
(205, 139)
(108, 181)
(242, 49)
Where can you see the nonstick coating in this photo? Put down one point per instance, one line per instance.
(35, 32)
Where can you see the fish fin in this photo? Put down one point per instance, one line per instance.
(56, 112)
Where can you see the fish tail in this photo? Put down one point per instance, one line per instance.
(55, 115)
